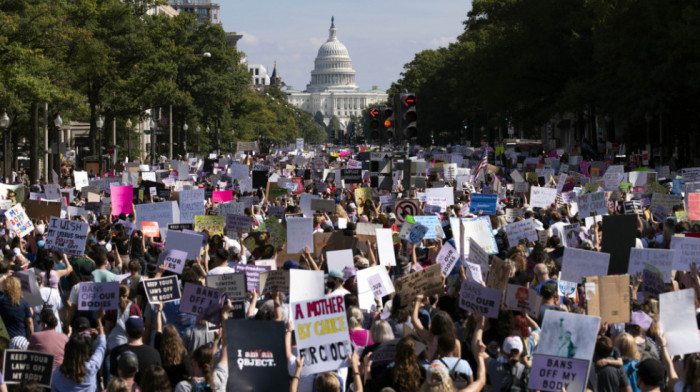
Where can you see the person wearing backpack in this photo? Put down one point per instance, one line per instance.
(459, 370)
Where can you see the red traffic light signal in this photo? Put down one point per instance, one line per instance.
(388, 112)
(409, 100)
(374, 112)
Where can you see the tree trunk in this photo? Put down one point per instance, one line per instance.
(34, 145)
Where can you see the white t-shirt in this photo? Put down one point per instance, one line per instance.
(306, 383)
(221, 270)
(220, 380)
(50, 297)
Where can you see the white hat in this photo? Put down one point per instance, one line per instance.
(512, 343)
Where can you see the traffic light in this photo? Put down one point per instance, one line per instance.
(389, 122)
(408, 113)
(374, 116)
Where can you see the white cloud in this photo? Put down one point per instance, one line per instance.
(249, 39)
(441, 42)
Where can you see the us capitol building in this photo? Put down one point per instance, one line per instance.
(332, 90)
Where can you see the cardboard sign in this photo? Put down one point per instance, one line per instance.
(480, 230)
(191, 204)
(578, 264)
(305, 285)
(427, 281)
(162, 290)
(39, 209)
(677, 320)
(365, 293)
(483, 204)
(524, 229)
(203, 302)
(26, 366)
(233, 285)
(385, 247)
(187, 242)
(256, 356)
(18, 221)
(519, 299)
(240, 223)
(478, 256)
(475, 297)
(67, 236)
(173, 259)
(447, 258)
(252, 274)
(542, 197)
(609, 298)
(150, 229)
(659, 259)
(326, 348)
(274, 281)
(96, 296)
(323, 205)
(300, 234)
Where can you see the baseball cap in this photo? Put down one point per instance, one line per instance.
(81, 324)
(352, 206)
(651, 372)
(334, 274)
(40, 243)
(86, 269)
(361, 262)
(512, 343)
(134, 323)
(290, 264)
(392, 216)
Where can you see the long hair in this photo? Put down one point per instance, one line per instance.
(442, 323)
(123, 297)
(13, 290)
(75, 358)
(118, 384)
(691, 369)
(203, 356)
(627, 346)
(155, 379)
(171, 347)
(406, 375)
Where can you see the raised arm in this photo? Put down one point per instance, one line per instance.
(417, 325)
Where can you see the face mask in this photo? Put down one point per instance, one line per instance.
(330, 284)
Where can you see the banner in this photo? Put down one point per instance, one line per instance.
(475, 297)
(256, 356)
(67, 236)
(322, 334)
(162, 290)
(233, 285)
(17, 220)
(27, 366)
(96, 296)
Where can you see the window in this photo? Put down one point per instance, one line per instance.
(257, 71)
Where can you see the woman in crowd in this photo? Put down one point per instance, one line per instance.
(173, 353)
(14, 310)
(155, 379)
(78, 373)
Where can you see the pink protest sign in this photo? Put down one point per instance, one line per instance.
(222, 196)
(122, 199)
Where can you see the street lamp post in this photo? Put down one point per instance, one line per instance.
(4, 124)
(198, 130)
(185, 127)
(58, 122)
(648, 116)
(153, 147)
(128, 138)
(100, 123)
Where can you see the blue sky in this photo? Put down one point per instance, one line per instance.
(381, 35)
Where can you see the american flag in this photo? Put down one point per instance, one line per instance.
(484, 162)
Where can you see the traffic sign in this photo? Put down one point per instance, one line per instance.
(404, 208)
(374, 112)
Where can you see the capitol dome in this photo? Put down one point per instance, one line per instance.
(332, 67)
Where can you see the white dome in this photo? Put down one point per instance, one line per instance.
(332, 67)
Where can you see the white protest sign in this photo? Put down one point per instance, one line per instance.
(521, 298)
(148, 176)
(339, 259)
(364, 290)
(578, 264)
(677, 320)
(376, 283)
(687, 252)
(660, 260)
(186, 242)
(98, 296)
(542, 197)
(233, 285)
(447, 258)
(305, 285)
(17, 219)
(480, 230)
(524, 229)
(475, 297)
(592, 203)
(191, 204)
(52, 192)
(81, 179)
(173, 259)
(164, 213)
(478, 256)
(322, 334)
(300, 234)
(67, 236)
(385, 247)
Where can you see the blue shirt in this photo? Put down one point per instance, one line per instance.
(59, 383)
(14, 316)
(450, 362)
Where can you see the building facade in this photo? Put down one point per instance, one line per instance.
(332, 90)
(204, 9)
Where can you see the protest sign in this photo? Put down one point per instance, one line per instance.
(212, 224)
(164, 213)
(571, 235)
(274, 281)
(81, 179)
(608, 297)
(98, 296)
(256, 356)
(563, 355)
(240, 223)
(385, 247)
(447, 258)
(427, 281)
(222, 196)
(67, 236)
(687, 251)
(480, 230)
(578, 264)
(23, 366)
(483, 203)
(618, 245)
(305, 285)
(173, 259)
(677, 318)
(18, 221)
(52, 191)
(40, 209)
(668, 201)
(592, 203)
(542, 197)
(478, 256)
(432, 223)
(365, 293)
(150, 229)
(523, 299)
(661, 259)
(203, 302)
(417, 232)
(339, 259)
(300, 234)
(323, 205)
(477, 298)
(122, 198)
(524, 229)
(191, 204)
(187, 242)
(231, 208)
(693, 206)
(162, 290)
(30, 287)
(322, 334)
(233, 285)
(252, 274)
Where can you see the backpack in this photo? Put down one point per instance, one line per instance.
(459, 380)
(519, 376)
(200, 387)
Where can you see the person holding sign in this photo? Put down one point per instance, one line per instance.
(79, 369)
